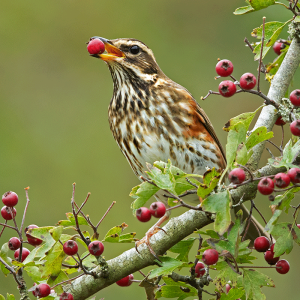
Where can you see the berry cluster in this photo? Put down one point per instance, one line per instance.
(157, 210)
(266, 185)
(262, 244)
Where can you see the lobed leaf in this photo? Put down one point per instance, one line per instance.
(183, 248)
(168, 265)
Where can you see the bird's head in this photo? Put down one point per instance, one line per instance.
(130, 59)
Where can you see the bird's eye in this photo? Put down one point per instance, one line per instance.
(135, 49)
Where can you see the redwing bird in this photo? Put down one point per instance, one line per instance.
(153, 118)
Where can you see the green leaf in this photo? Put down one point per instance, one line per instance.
(182, 185)
(81, 220)
(173, 289)
(113, 235)
(168, 266)
(2, 297)
(242, 154)
(270, 225)
(272, 32)
(142, 193)
(244, 10)
(54, 279)
(287, 158)
(224, 275)
(34, 273)
(164, 178)
(10, 296)
(285, 234)
(90, 261)
(56, 232)
(259, 135)
(54, 260)
(220, 205)
(273, 67)
(233, 294)
(127, 237)
(253, 281)
(244, 118)
(260, 4)
(183, 248)
(4, 255)
(209, 232)
(176, 172)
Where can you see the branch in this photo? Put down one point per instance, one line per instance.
(278, 88)
(131, 261)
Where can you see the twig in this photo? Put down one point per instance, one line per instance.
(83, 203)
(248, 43)
(11, 270)
(3, 228)
(26, 207)
(261, 52)
(110, 207)
(197, 259)
(248, 221)
(209, 93)
(66, 281)
(275, 146)
(191, 183)
(257, 267)
(282, 138)
(240, 202)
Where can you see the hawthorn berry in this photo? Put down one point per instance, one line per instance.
(95, 46)
(266, 186)
(227, 88)
(283, 266)
(277, 47)
(14, 243)
(25, 253)
(126, 281)
(298, 225)
(261, 244)
(70, 247)
(157, 209)
(5, 212)
(294, 174)
(269, 256)
(96, 248)
(42, 290)
(280, 122)
(247, 81)
(237, 176)
(33, 292)
(200, 269)
(295, 127)
(228, 287)
(210, 256)
(282, 180)
(10, 199)
(143, 214)
(30, 239)
(66, 296)
(224, 68)
(295, 97)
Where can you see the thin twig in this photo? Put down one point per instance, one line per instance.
(66, 281)
(248, 220)
(261, 52)
(110, 207)
(274, 145)
(83, 203)
(282, 138)
(25, 210)
(209, 93)
(248, 44)
(11, 270)
(3, 228)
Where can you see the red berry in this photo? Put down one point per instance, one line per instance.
(5, 213)
(228, 288)
(295, 97)
(282, 180)
(95, 46)
(70, 247)
(33, 292)
(157, 209)
(266, 186)
(280, 122)
(224, 68)
(210, 256)
(66, 296)
(269, 256)
(143, 214)
(247, 81)
(261, 244)
(237, 176)
(283, 266)
(32, 240)
(298, 225)
(295, 127)
(10, 199)
(25, 253)
(200, 269)
(96, 248)
(277, 47)
(227, 88)
(14, 243)
(42, 290)
(126, 281)
(294, 174)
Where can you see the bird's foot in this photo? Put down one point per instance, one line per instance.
(146, 239)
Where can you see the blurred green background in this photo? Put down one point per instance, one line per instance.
(54, 99)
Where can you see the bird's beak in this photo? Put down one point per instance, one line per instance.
(112, 52)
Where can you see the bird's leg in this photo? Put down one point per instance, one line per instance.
(146, 239)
